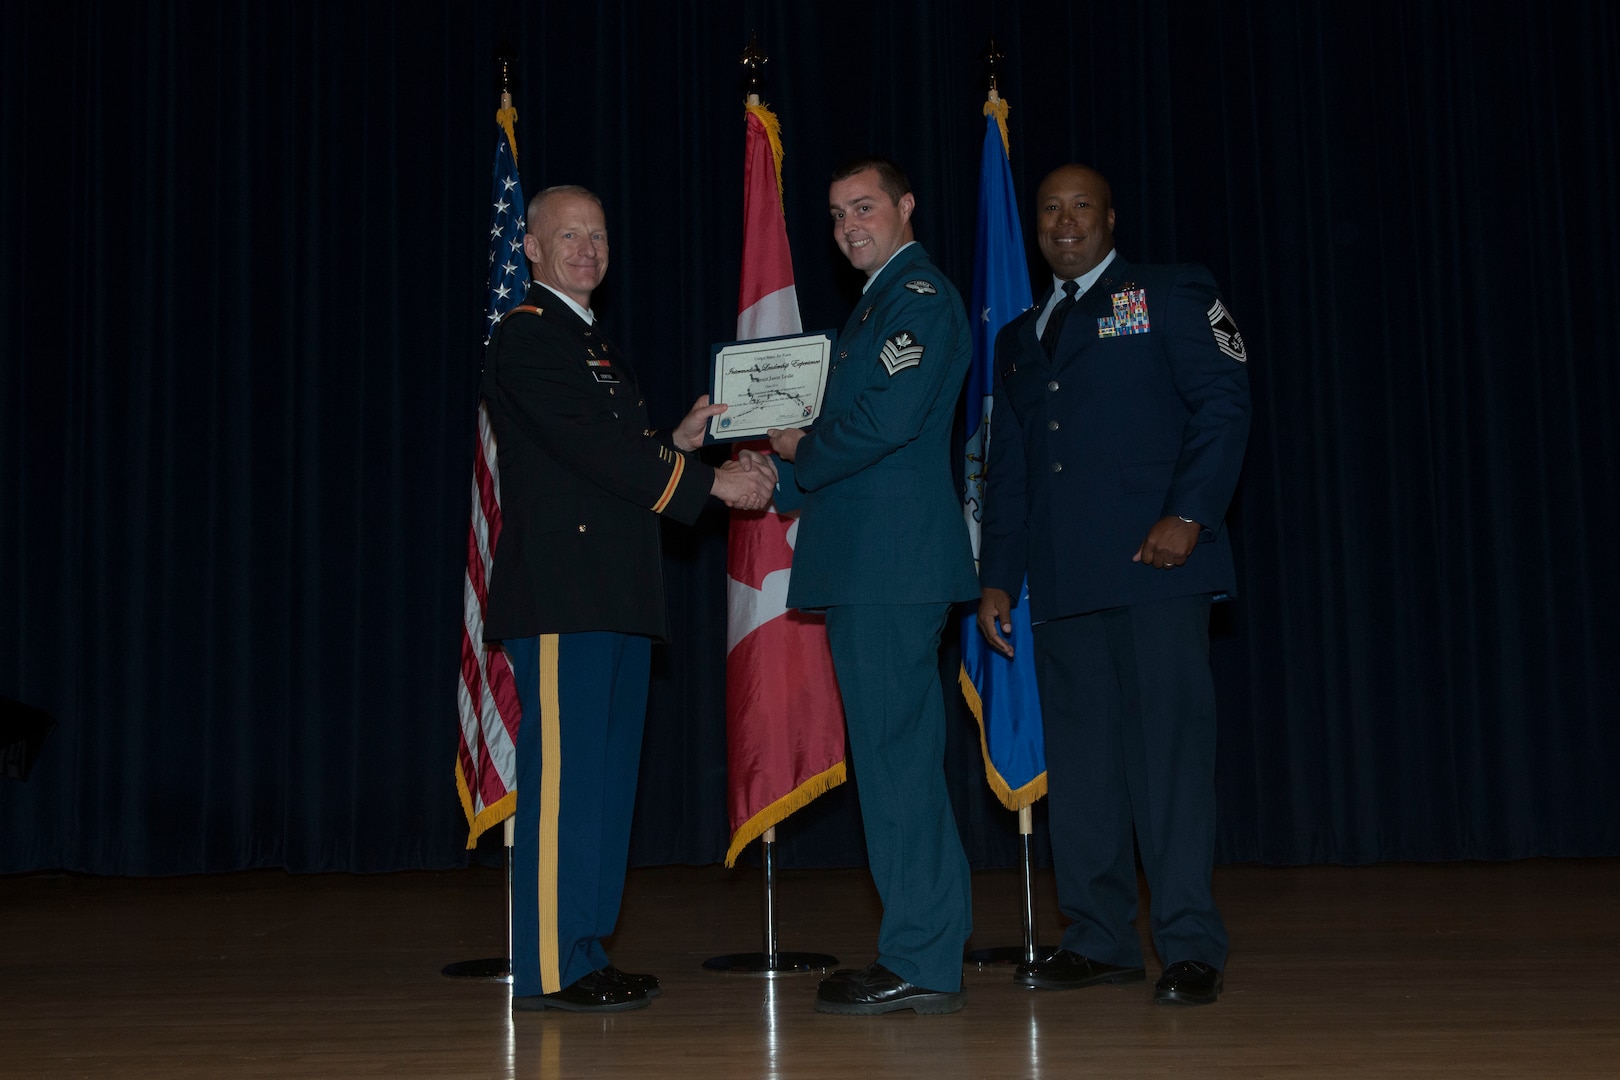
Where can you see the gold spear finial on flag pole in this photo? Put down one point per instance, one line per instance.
(991, 57)
(507, 116)
(993, 105)
(753, 64)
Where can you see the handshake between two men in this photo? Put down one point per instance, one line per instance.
(748, 481)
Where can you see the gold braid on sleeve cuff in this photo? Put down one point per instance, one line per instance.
(677, 468)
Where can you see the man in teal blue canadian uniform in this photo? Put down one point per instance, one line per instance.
(1119, 421)
(883, 548)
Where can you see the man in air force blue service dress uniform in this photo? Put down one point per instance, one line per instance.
(1118, 426)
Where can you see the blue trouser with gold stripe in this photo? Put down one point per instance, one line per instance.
(578, 752)
(887, 660)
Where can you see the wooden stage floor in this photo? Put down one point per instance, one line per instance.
(1455, 970)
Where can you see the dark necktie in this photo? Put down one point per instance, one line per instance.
(1054, 321)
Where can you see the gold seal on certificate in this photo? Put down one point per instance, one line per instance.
(768, 383)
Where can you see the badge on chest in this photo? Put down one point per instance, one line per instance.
(1130, 314)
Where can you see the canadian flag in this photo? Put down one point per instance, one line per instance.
(784, 718)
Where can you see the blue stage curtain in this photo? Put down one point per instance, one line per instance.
(243, 270)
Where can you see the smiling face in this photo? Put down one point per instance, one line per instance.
(567, 245)
(1074, 220)
(868, 224)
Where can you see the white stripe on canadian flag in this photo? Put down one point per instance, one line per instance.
(769, 314)
(748, 608)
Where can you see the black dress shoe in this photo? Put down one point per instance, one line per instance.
(1188, 982)
(647, 984)
(875, 989)
(1065, 970)
(594, 993)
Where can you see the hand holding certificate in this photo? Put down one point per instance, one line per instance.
(768, 383)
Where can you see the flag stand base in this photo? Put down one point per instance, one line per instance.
(1007, 954)
(498, 968)
(770, 963)
(1029, 952)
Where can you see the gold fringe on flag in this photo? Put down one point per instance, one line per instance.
(1032, 792)
(773, 132)
(493, 814)
(506, 117)
(997, 108)
(778, 811)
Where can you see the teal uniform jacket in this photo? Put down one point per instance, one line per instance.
(882, 521)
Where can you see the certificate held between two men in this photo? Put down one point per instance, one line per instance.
(768, 383)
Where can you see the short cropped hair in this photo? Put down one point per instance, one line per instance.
(532, 211)
(891, 177)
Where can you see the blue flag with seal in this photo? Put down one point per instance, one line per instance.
(1001, 692)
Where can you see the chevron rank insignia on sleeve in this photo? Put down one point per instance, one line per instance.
(921, 287)
(900, 352)
(1227, 338)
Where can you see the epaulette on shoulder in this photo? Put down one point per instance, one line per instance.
(530, 308)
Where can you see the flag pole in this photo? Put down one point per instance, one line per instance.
(497, 968)
(1030, 952)
(770, 962)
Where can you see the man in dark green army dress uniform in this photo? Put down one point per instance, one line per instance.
(577, 599)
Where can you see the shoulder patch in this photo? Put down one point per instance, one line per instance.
(921, 287)
(1227, 338)
(900, 352)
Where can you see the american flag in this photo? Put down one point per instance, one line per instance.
(486, 757)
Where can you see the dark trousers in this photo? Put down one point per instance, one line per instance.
(578, 752)
(887, 660)
(1128, 705)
